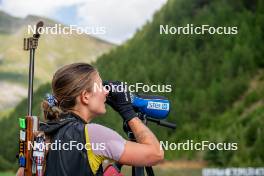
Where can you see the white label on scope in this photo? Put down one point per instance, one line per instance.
(158, 105)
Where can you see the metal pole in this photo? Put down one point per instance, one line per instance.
(31, 45)
(30, 82)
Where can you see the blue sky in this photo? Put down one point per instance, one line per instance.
(120, 18)
(67, 15)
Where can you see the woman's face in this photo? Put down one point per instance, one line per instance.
(98, 97)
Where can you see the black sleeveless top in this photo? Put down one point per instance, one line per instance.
(72, 162)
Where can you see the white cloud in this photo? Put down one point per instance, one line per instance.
(121, 18)
(22, 8)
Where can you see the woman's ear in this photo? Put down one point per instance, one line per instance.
(85, 97)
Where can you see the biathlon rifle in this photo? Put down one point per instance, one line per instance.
(31, 158)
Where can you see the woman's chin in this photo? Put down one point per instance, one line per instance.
(102, 112)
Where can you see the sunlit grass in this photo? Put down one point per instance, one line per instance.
(7, 174)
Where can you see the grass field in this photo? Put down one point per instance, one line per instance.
(7, 174)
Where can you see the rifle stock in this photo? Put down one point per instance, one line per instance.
(29, 138)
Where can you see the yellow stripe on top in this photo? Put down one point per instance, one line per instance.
(94, 160)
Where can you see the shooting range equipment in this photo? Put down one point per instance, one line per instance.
(139, 171)
(157, 107)
(31, 158)
(150, 108)
(154, 106)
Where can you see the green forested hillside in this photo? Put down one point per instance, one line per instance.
(8, 23)
(217, 80)
(210, 75)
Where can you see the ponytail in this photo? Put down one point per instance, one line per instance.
(50, 108)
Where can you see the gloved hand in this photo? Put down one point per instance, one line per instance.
(119, 99)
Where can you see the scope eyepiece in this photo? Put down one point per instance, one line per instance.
(153, 106)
